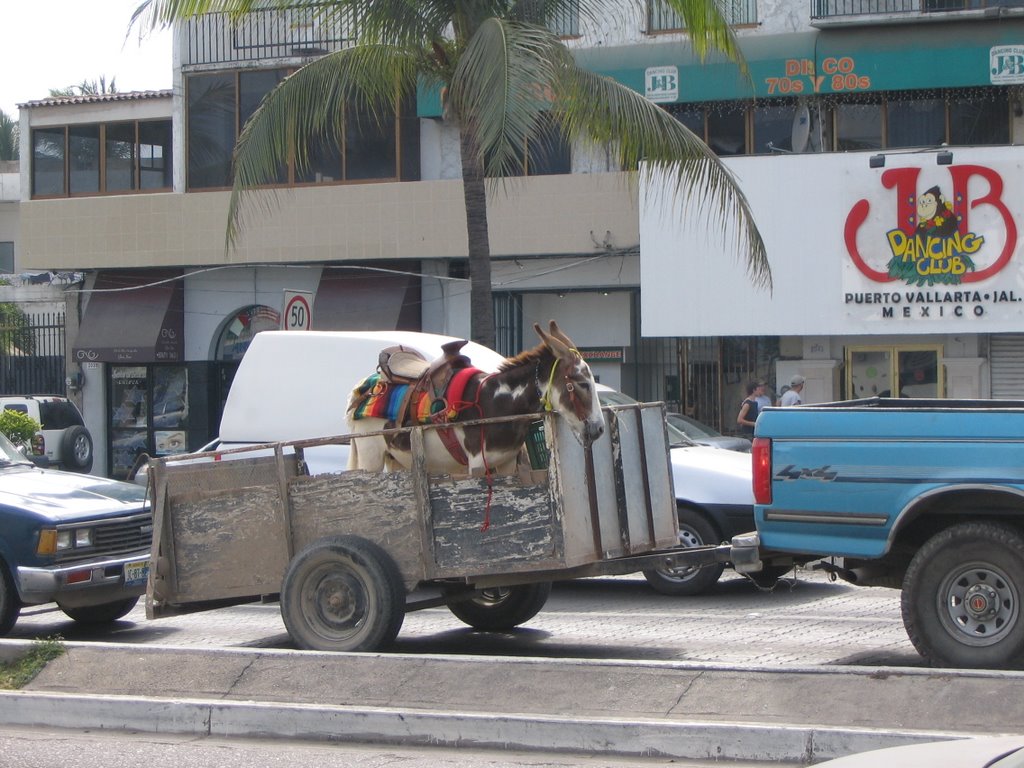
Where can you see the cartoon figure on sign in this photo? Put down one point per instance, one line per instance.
(935, 215)
(936, 252)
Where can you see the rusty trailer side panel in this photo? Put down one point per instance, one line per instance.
(226, 530)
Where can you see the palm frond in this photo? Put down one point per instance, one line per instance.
(597, 108)
(309, 107)
(502, 87)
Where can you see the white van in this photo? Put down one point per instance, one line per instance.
(294, 385)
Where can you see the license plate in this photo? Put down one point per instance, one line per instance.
(136, 572)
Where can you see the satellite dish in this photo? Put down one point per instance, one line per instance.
(801, 127)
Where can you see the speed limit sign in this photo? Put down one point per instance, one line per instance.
(298, 313)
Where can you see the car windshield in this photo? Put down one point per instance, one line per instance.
(9, 454)
(676, 437)
(693, 428)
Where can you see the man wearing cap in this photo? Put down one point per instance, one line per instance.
(792, 395)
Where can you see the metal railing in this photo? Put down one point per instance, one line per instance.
(824, 9)
(661, 18)
(265, 35)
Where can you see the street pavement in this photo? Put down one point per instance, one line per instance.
(766, 709)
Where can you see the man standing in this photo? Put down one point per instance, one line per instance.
(792, 395)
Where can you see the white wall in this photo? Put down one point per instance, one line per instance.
(212, 296)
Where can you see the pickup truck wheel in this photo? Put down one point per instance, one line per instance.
(694, 531)
(10, 605)
(343, 593)
(100, 614)
(961, 598)
(500, 608)
(76, 449)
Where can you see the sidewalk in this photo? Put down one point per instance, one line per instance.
(688, 711)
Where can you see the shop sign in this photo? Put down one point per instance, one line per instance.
(1006, 64)
(934, 244)
(661, 84)
(603, 354)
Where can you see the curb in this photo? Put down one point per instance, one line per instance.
(628, 738)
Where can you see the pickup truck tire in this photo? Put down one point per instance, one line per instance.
(501, 608)
(10, 605)
(342, 593)
(695, 530)
(101, 614)
(961, 598)
(76, 449)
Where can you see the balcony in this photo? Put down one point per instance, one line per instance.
(862, 11)
(264, 36)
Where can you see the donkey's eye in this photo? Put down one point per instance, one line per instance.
(583, 384)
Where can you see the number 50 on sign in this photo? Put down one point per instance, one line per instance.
(298, 312)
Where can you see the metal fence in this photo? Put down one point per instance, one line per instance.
(823, 9)
(32, 355)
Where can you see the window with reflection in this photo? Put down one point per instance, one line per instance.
(772, 128)
(915, 122)
(102, 158)
(858, 125)
(84, 159)
(980, 117)
(727, 129)
(48, 148)
(220, 104)
(211, 129)
(119, 149)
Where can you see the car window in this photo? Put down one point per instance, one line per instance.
(19, 408)
(9, 454)
(60, 414)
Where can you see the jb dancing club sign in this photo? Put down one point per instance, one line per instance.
(934, 244)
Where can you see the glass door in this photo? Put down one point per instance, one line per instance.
(894, 371)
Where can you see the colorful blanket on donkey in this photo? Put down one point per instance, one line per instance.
(382, 399)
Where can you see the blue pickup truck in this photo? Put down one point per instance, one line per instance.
(79, 541)
(925, 496)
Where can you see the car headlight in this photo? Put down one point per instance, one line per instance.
(52, 541)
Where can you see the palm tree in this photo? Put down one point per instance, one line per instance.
(8, 137)
(87, 88)
(504, 77)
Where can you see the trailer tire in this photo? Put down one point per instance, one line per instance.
(695, 530)
(961, 598)
(10, 603)
(342, 593)
(100, 614)
(500, 608)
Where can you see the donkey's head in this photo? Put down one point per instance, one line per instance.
(568, 386)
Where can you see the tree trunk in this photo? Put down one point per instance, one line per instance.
(481, 304)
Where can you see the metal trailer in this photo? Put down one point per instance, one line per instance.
(349, 553)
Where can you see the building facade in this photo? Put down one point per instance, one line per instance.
(132, 191)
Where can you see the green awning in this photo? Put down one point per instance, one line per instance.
(672, 72)
(928, 55)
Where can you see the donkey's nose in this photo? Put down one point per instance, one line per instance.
(593, 430)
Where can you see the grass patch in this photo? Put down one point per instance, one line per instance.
(18, 673)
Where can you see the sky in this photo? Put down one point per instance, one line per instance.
(57, 43)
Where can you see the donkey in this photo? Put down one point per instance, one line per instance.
(551, 376)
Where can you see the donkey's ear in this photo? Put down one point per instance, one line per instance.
(551, 341)
(558, 333)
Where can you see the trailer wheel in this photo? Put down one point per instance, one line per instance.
(694, 531)
(961, 598)
(500, 608)
(342, 594)
(100, 614)
(10, 604)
